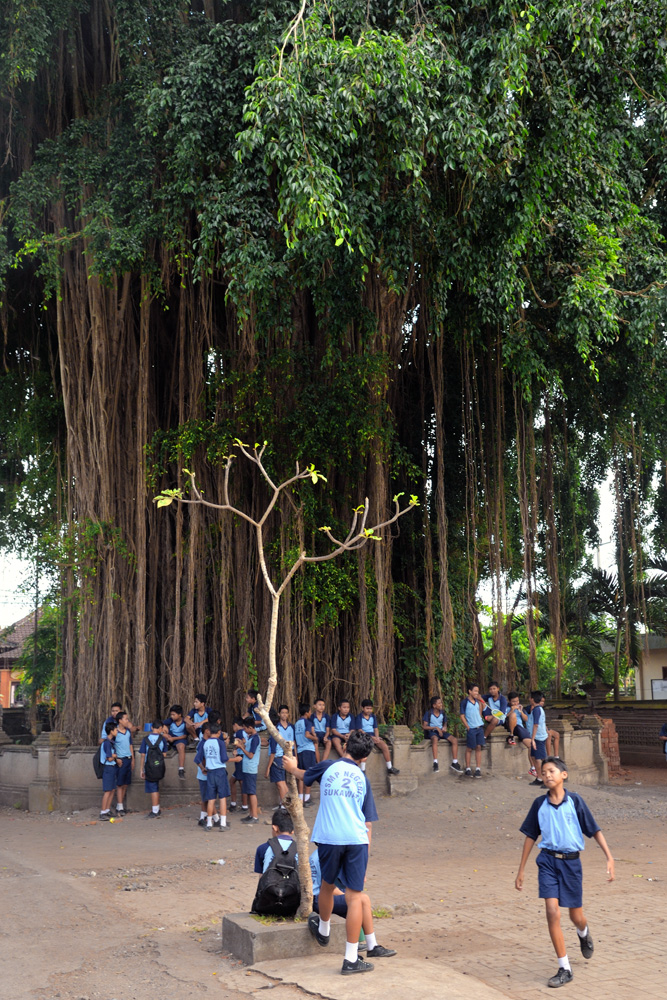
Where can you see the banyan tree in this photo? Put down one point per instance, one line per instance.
(418, 245)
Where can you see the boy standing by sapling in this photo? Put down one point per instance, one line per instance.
(306, 741)
(366, 722)
(176, 734)
(562, 818)
(321, 726)
(435, 729)
(238, 733)
(471, 717)
(212, 756)
(250, 748)
(274, 769)
(152, 752)
(125, 757)
(340, 727)
(110, 773)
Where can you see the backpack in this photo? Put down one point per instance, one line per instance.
(98, 766)
(154, 766)
(278, 890)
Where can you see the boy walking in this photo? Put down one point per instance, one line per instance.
(110, 773)
(152, 745)
(366, 722)
(435, 729)
(471, 717)
(562, 818)
(342, 833)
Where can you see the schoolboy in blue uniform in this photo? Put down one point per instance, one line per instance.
(495, 703)
(198, 714)
(282, 827)
(152, 788)
(471, 717)
(125, 756)
(306, 741)
(340, 727)
(110, 773)
(274, 769)
(342, 832)
(176, 734)
(204, 732)
(250, 747)
(366, 722)
(516, 721)
(321, 727)
(562, 818)
(212, 756)
(435, 729)
(238, 733)
(251, 702)
(111, 717)
(537, 727)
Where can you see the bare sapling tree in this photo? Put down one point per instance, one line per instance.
(358, 535)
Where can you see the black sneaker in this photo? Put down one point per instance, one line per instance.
(105, 817)
(349, 968)
(308, 804)
(511, 742)
(562, 976)
(201, 822)
(393, 770)
(314, 928)
(455, 766)
(435, 766)
(123, 812)
(468, 772)
(233, 807)
(181, 773)
(380, 952)
(216, 822)
(152, 815)
(250, 819)
(478, 773)
(586, 945)
(537, 782)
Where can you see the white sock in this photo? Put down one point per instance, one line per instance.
(209, 821)
(363, 768)
(307, 797)
(202, 814)
(216, 816)
(301, 797)
(155, 809)
(388, 763)
(244, 808)
(103, 812)
(564, 963)
(232, 803)
(120, 808)
(582, 934)
(351, 951)
(455, 760)
(325, 927)
(223, 821)
(435, 760)
(371, 941)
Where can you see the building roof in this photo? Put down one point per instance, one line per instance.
(13, 637)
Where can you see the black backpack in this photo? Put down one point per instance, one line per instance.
(154, 766)
(98, 766)
(278, 890)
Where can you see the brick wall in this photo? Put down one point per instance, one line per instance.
(610, 748)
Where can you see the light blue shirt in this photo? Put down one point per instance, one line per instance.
(433, 721)
(346, 803)
(342, 725)
(124, 743)
(287, 733)
(213, 753)
(320, 725)
(539, 719)
(106, 750)
(497, 705)
(473, 713)
(200, 776)
(563, 826)
(302, 727)
(284, 843)
(366, 725)
(252, 745)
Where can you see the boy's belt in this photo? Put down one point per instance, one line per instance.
(562, 855)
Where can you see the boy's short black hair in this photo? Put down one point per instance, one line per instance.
(320, 698)
(282, 819)
(366, 702)
(237, 720)
(249, 721)
(281, 707)
(110, 726)
(157, 724)
(494, 684)
(176, 708)
(556, 761)
(343, 701)
(536, 695)
(213, 728)
(512, 695)
(436, 697)
(304, 706)
(472, 684)
(252, 692)
(200, 697)
(206, 725)
(359, 745)
(214, 716)
(115, 704)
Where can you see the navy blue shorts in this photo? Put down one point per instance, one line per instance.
(151, 786)
(321, 739)
(560, 879)
(339, 906)
(475, 738)
(124, 776)
(181, 739)
(540, 751)
(348, 860)
(249, 786)
(306, 759)
(430, 734)
(521, 732)
(109, 777)
(238, 772)
(203, 789)
(277, 773)
(218, 783)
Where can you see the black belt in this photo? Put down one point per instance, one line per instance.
(561, 855)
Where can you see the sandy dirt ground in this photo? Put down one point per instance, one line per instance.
(131, 911)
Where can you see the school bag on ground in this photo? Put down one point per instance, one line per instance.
(154, 766)
(278, 890)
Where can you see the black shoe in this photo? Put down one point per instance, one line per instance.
(455, 766)
(349, 968)
(478, 773)
(181, 772)
(308, 804)
(586, 945)
(105, 817)
(314, 928)
(468, 772)
(562, 976)
(233, 808)
(435, 766)
(201, 822)
(380, 952)
(250, 819)
(393, 770)
(152, 815)
(537, 782)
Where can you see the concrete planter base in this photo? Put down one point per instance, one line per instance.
(252, 941)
